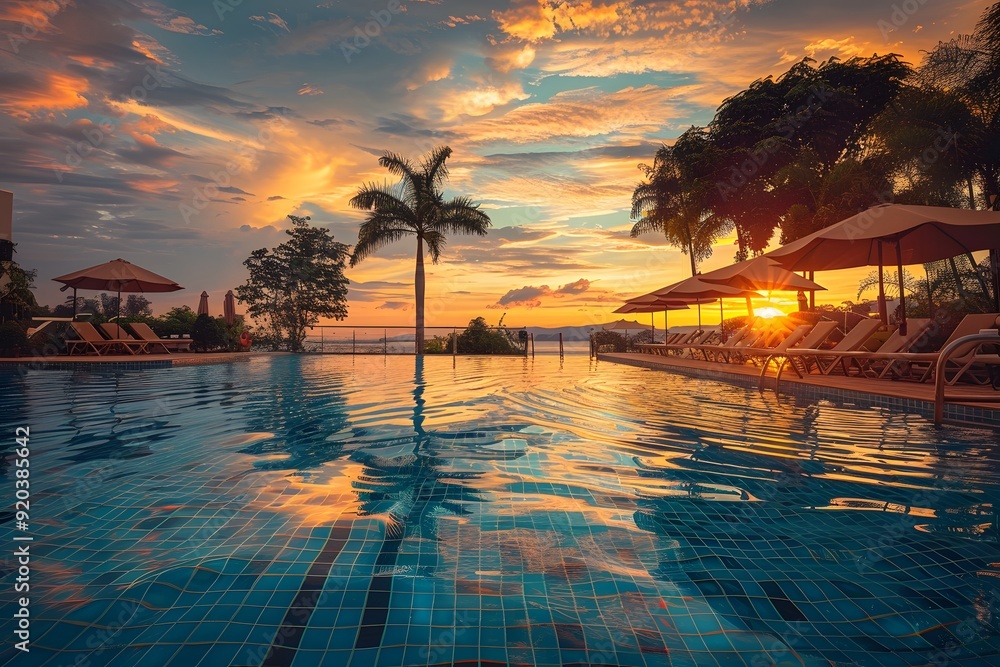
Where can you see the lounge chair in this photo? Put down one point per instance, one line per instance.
(115, 331)
(815, 336)
(696, 338)
(921, 365)
(145, 333)
(827, 360)
(708, 351)
(867, 361)
(90, 339)
(777, 343)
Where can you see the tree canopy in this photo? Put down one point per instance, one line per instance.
(291, 286)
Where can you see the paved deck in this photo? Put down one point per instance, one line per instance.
(132, 361)
(911, 396)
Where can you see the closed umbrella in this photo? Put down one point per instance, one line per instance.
(229, 308)
(915, 235)
(203, 304)
(117, 276)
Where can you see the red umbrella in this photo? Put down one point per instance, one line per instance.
(203, 304)
(117, 276)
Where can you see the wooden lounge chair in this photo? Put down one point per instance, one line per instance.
(145, 333)
(920, 365)
(696, 338)
(827, 360)
(814, 336)
(90, 339)
(709, 352)
(866, 360)
(115, 331)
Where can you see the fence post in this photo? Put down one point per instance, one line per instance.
(454, 342)
(532, 335)
(354, 341)
(560, 344)
(322, 340)
(385, 342)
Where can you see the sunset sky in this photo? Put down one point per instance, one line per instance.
(179, 135)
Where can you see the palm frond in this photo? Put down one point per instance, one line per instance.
(435, 171)
(378, 231)
(372, 196)
(436, 242)
(397, 165)
(461, 216)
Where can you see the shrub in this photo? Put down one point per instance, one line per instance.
(207, 334)
(13, 339)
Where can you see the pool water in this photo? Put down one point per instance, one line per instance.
(307, 510)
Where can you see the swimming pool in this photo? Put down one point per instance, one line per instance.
(307, 510)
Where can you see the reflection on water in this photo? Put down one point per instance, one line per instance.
(350, 510)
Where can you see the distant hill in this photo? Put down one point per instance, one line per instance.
(576, 333)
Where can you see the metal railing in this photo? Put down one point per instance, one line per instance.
(986, 336)
(386, 340)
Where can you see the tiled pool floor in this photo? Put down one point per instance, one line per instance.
(338, 511)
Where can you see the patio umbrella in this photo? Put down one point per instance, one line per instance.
(652, 308)
(229, 308)
(760, 273)
(915, 234)
(117, 276)
(695, 290)
(203, 304)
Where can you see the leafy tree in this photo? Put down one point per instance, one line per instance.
(137, 305)
(207, 334)
(20, 298)
(479, 338)
(414, 207)
(792, 149)
(291, 286)
(175, 322)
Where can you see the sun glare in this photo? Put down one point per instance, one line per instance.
(768, 312)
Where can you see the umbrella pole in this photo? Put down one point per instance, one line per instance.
(74, 304)
(812, 293)
(666, 325)
(882, 312)
(699, 314)
(995, 274)
(652, 327)
(902, 296)
(722, 314)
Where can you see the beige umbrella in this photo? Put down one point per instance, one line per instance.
(117, 276)
(760, 273)
(915, 234)
(652, 308)
(203, 304)
(695, 290)
(229, 308)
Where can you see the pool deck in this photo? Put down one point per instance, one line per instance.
(132, 361)
(910, 396)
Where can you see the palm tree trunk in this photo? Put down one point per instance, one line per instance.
(418, 288)
(694, 266)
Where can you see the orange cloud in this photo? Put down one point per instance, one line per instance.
(588, 112)
(44, 92)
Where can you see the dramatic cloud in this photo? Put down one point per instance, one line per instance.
(530, 296)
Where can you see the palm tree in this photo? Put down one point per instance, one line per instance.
(414, 207)
(673, 202)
